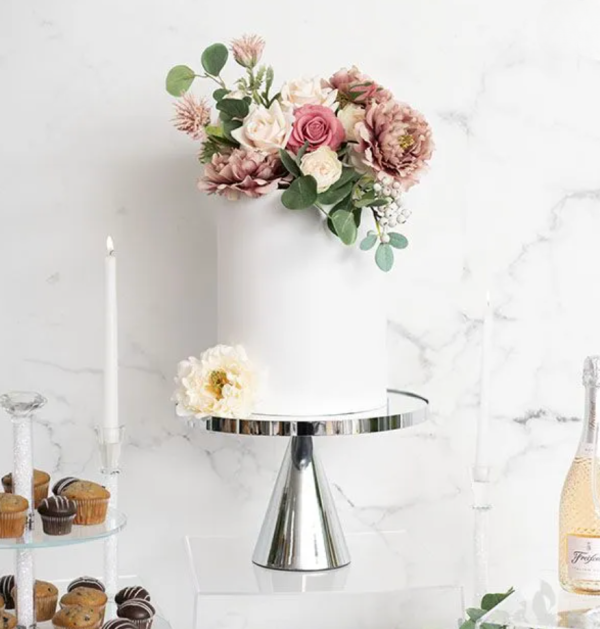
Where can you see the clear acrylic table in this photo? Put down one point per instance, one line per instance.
(543, 604)
(373, 592)
(301, 530)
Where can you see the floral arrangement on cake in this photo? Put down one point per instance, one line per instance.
(342, 145)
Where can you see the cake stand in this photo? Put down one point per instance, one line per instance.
(301, 530)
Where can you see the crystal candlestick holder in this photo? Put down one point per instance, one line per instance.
(481, 509)
(20, 406)
(110, 441)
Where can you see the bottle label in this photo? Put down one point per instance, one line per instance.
(583, 558)
(586, 450)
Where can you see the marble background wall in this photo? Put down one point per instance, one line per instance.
(512, 204)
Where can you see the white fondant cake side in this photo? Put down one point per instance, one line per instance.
(308, 309)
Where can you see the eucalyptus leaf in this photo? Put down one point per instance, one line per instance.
(229, 126)
(288, 161)
(357, 213)
(348, 174)
(345, 227)
(179, 80)
(489, 601)
(368, 242)
(384, 256)
(334, 195)
(379, 203)
(475, 614)
(233, 107)
(365, 201)
(398, 241)
(301, 194)
(301, 152)
(214, 59)
(220, 94)
(468, 624)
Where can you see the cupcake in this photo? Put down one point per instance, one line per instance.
(91, 499)
(41, 483)
(62, 484)
(86, 582)
(76, 617)
(57, 513)
(130, 593)
(7, 583)
(46, 596)
(13, 515)
(85, 597)
(118, 623)
(7, 621)
(137, 611)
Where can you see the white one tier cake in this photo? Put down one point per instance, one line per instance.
(308, 310)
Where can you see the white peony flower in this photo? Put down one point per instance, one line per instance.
(265, 129)
(324, 165)
(305, 91)
(222, 382)
(350, 116)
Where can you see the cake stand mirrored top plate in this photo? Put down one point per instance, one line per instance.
(402, 410)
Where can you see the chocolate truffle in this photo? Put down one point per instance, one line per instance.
(7, 583)
(139, 612)
(119, 623)
(62, 484)
(130, 593)
(86, 582)
(57, 513)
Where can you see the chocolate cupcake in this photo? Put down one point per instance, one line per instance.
(76, 617)
(7, 583)
(57, 513)
(139, 612)
(41, 483)
(118, 623)
(7, 621)
(85, 597)
(46, 596)
(13, 515)
(86, 582)
(130, 593)
(62, 484)
(91, 499)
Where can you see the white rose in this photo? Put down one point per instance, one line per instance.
(222, 382)
(304, 91)
(265, 129)
(324, 165)
(350, 116)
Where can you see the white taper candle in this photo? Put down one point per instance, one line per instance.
(111, 362)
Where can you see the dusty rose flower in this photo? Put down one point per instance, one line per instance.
(319, 126)
(243, 171)
(191, 116)
(247, 50)
(394, 139)
(356, 87)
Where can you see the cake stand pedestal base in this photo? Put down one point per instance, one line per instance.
(301, 529)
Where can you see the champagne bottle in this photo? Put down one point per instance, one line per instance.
(579, 544)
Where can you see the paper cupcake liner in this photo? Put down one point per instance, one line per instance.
(45, 606)
(101, 609)
(96, 625)
(53, 525)
(91, 511)
(13, 524)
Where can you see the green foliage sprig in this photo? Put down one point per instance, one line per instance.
(488, 602)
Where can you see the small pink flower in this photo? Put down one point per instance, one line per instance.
(192, 116)
(243, 171)
(356, 87)
(317, 125)
(247, 50)
(394, 139)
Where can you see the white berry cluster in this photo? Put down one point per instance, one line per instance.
(394, 213)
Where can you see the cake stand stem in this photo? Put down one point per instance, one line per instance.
(301, 530)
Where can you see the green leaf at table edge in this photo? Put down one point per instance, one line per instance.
(301, 194)
(384, 257)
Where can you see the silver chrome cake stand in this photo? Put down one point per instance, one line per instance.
(301, 530)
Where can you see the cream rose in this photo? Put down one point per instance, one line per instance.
(265, 129)
(295, 94)
(350, 116)
(324, 165)
(221, 382)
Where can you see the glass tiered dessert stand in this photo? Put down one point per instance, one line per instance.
(354, 583)
(20, 407)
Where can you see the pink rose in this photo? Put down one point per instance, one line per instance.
(317, 125)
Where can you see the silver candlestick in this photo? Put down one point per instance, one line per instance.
(20, 406)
